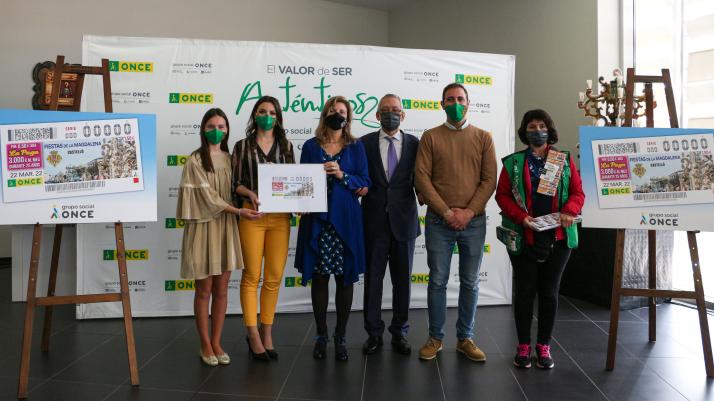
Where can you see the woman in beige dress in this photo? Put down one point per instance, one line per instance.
(211, 246)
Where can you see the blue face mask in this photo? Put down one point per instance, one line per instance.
(537, 138)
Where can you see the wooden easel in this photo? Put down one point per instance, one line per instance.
(50, 300)
(652, 292)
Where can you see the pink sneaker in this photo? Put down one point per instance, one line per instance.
(523, 356)
(545, 361)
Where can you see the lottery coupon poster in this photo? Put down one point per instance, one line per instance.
(67, 167)
(298, 188)
(648, 178)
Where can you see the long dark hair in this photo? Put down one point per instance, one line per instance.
(251, 129)
(203, 150)
(542, 115)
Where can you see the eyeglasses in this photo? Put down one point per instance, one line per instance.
(393, 110)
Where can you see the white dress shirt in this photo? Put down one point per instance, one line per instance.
(455, 128)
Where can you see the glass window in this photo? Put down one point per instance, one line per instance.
(679, 35)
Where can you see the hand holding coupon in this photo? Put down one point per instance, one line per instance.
(333, 168)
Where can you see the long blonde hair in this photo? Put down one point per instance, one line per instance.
(321, 130)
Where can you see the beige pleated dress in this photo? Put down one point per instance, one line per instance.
(211, 244)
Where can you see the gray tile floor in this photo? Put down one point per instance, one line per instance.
(87, 361)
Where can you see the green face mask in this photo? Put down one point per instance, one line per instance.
(214, 136)
(265, 122)
(455, 112)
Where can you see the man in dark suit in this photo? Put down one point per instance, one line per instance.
(391, 224)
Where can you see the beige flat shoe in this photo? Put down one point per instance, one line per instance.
(223, 359)
(210, 360)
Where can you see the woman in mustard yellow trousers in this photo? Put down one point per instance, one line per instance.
(265, 240)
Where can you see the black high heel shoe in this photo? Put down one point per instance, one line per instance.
(320, 350)
(263, 356)
(272, 354)
(340, 348)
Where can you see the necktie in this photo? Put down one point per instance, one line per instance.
(391, 158)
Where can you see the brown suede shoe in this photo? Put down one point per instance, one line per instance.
(430, 349)
(470, 350)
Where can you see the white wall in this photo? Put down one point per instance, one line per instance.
(37, 30)
(555, 43)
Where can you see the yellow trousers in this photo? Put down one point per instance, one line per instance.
(265, 238)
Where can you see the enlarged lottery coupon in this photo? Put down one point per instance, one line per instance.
(69, 159)
(654, 171)
(292, 188)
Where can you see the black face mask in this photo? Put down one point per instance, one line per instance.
(537, 138)
(336, 121)
(390, 120)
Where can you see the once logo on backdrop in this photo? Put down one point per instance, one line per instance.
(466, 79)
(189, 68)
(179, 285)
(421, 76)
(131, 66)
(131, 254)
(486, 248)
(176, 160)
(420, 279)
(174, 223)
(419, 104)
(134, 285)
(291, 281)
(197, 98)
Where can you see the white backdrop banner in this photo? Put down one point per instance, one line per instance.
(179, 79)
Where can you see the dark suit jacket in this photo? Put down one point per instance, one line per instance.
(393, 200)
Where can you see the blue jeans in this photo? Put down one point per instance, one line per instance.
(440, 240)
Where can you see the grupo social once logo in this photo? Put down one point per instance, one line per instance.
(660, 219)
(76, 211)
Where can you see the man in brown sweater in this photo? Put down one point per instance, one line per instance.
(455, 175)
